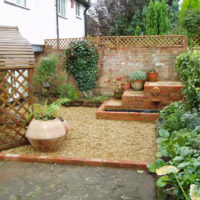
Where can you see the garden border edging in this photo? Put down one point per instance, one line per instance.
(74, 161)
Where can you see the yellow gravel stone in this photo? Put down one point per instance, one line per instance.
(104, 139)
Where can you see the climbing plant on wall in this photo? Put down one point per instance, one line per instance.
(81, 60)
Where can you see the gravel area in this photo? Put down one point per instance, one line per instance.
(104, 139)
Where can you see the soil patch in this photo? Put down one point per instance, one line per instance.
(103, 139)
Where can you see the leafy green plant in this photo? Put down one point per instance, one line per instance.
(46, 112)
(67, 90)
(169, 170)
(101, 98)
(188, 5)
(46, 80)
(187, 66)
(138, 75)
(191, 23)
(194, 192)
(172, 117)
(151, 70)
(138, 30)
(177, 146)
(81, 61)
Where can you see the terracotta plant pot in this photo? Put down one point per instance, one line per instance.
(126, 86)
(152, 76)
(46, 136)
(137, 85)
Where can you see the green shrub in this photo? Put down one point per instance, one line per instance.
(186, 6)
(46, 81)
(138, 30)
(67, 90)
(190, 120)
(171, 117)
(191, 23)
(187, 66)
(184, 155)
(138, 75)
(81, 61)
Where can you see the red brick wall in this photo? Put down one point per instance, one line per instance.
(123, 62)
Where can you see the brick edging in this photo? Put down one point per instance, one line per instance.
(75, 161)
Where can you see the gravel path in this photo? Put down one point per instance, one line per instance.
(104, 139)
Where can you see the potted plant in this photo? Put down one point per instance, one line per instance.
(118, 88)
(152, 75)
(137, 80)
(46, 131)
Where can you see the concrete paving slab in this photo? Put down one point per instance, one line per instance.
(40, 181)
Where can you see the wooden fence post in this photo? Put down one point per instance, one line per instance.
(30, 86)
(97, 38)
(117, 39)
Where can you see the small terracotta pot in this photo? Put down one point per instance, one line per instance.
(46, 136)
(137, 85)
(118, 95)
(152, 76)
(126, 86)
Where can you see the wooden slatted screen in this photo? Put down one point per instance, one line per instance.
(16, 86)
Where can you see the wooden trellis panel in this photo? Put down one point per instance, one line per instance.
(196, 41)
(16, 88)
(123, 41)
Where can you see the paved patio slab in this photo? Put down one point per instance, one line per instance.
(40, 181)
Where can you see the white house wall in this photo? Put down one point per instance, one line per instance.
(38, 22)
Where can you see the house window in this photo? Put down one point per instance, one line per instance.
(62, 7)
(78, 9)
(21, 3)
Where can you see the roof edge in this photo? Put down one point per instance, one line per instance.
(84, 2)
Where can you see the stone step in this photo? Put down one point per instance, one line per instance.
(114, 104)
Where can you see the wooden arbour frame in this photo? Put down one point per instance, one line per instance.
(16, 86)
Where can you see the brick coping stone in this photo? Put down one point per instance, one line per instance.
(75, 161)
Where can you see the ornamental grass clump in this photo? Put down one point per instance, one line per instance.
(138, 75)
(81, 60)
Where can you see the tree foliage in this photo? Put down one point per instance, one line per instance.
(188, 5)
(114, 17)
(138, 30)
(164, 23)
(149, 21)
(191, 23)
(173, 14)
(157, 21)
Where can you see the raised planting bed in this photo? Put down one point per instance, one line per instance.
(97, 142)
(86, 103)
(117, 113)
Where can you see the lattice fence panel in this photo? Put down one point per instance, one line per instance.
(151, 41)
(14, 103)
(196, 41)
(110, 42)
(124, 41)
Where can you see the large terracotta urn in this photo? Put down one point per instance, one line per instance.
(46, 136)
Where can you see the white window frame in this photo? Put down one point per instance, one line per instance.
(78, 9)
(62, 7)
(21, 3)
